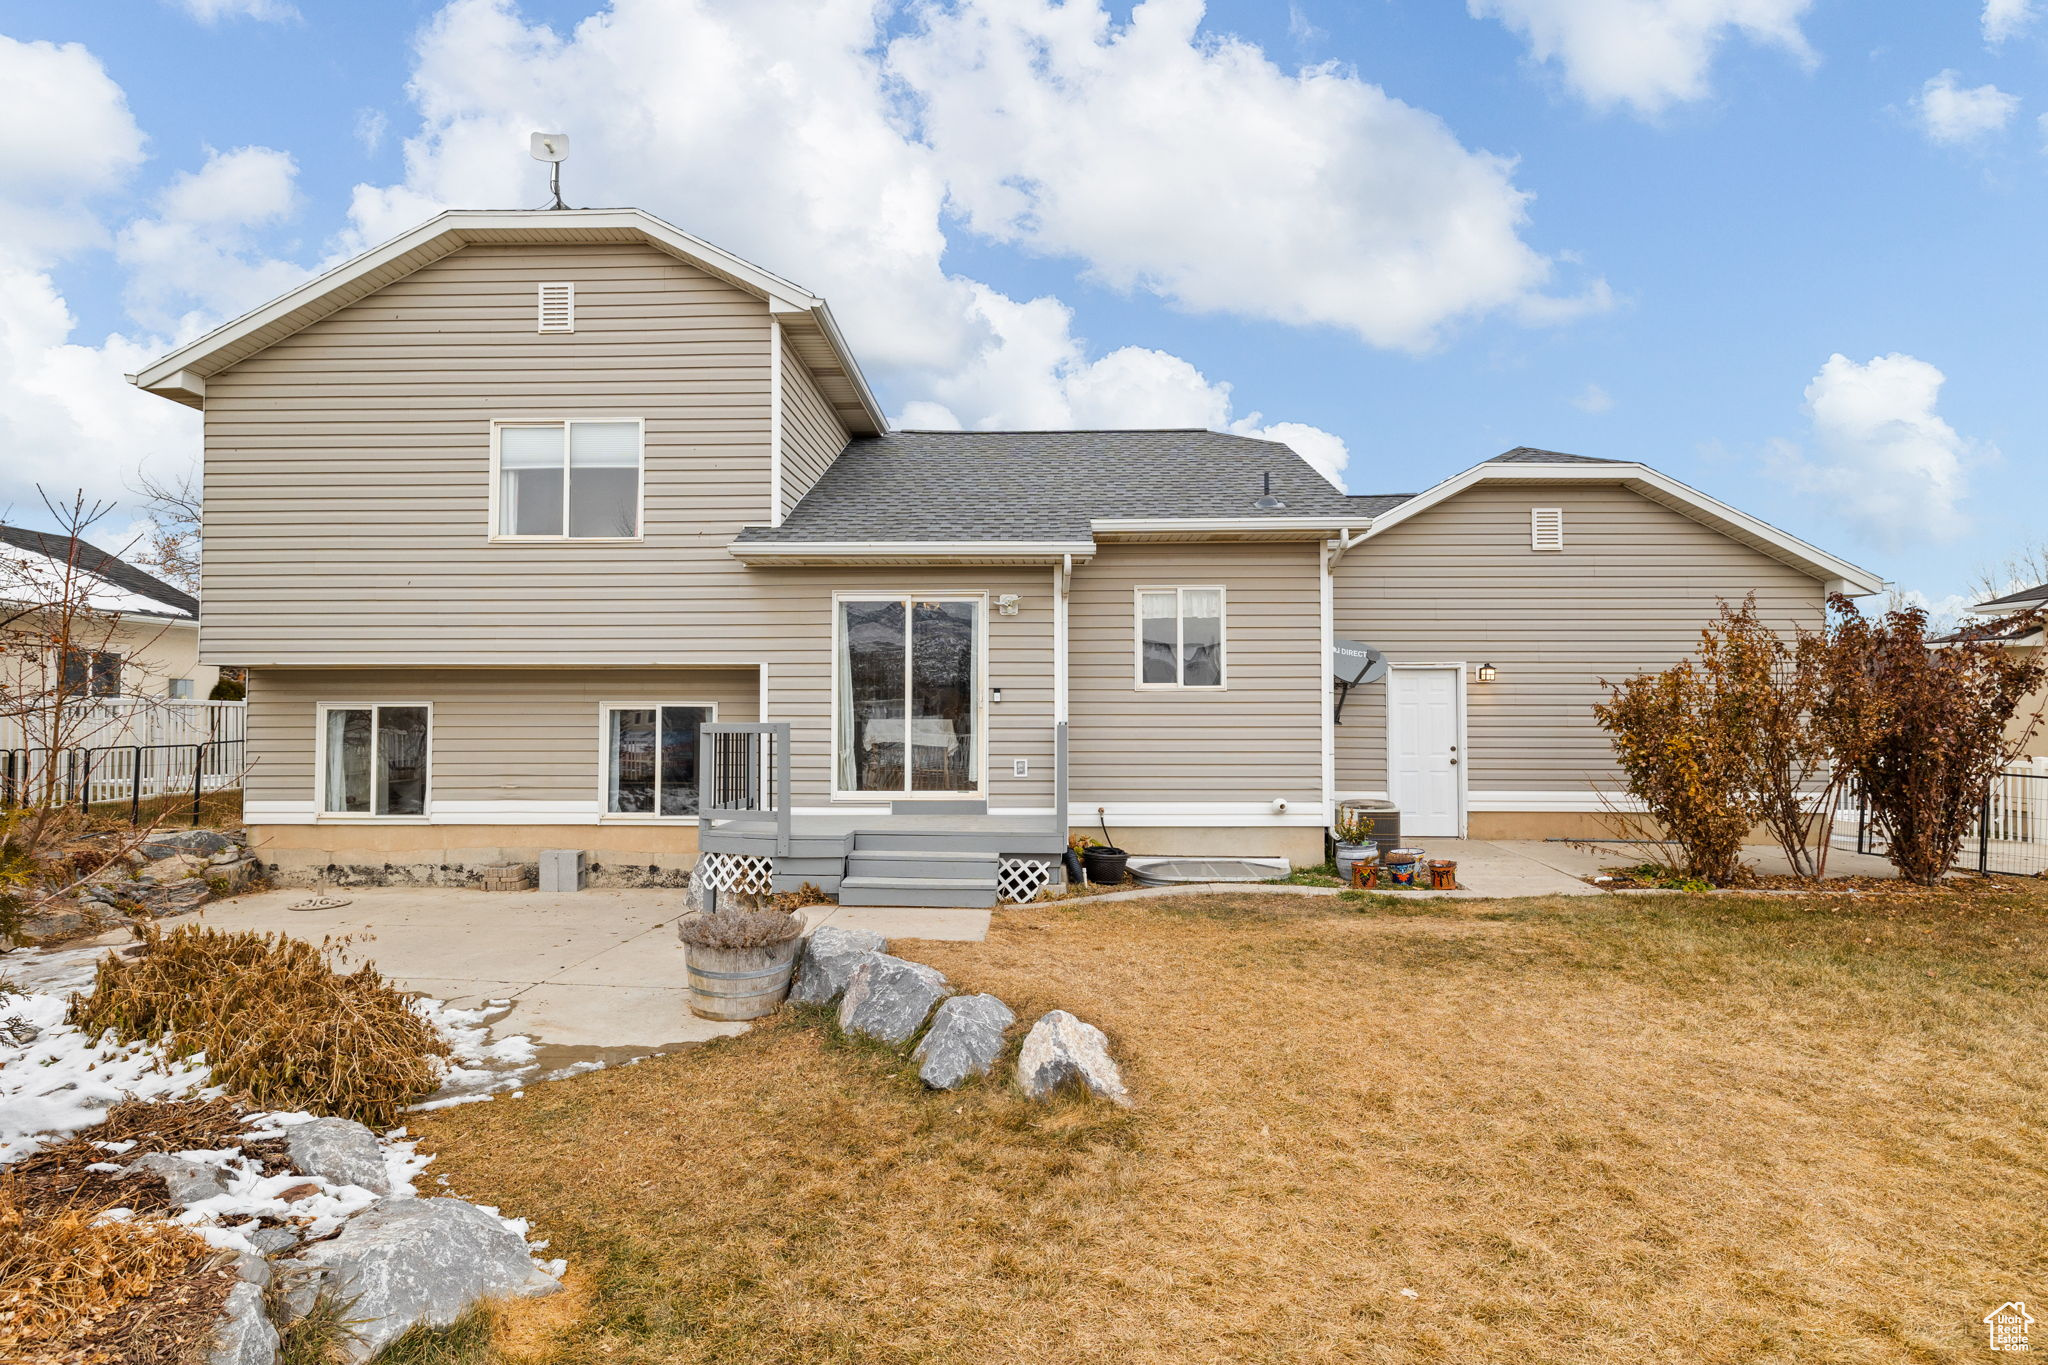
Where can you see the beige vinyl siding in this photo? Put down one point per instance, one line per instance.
(1260, 737)
(1629, 593)
(348, 469)
(812, 435)
(799, 604)
(499, 734)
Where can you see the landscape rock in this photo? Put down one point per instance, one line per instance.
(186, 1182)
(339, 1150)
(245, 1335)
(831, 956)
(889, 998)
(411, 1261)
(270, 1241)
(964, 1040)
(1059, 1050)
(203, 842)
(251, 1268)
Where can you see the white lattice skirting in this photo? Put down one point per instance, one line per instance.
(752, 873)
(1021, 879)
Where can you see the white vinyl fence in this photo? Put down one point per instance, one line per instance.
(2010, 834)
(123, 750)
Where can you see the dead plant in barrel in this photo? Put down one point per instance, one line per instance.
(276, 1017)
(739, 928)
(1922, 724)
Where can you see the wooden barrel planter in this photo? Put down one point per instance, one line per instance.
(740, 983)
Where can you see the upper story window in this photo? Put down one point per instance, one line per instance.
(1180, 637)
(567, 480)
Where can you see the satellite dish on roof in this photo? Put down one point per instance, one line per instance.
(1353, 665)
(552, 148)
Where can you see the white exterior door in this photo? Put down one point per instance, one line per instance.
(1425, 725)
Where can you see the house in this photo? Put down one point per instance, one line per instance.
(134, 637)
(565, 529)
(2008, 620)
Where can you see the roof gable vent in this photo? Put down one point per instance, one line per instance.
(1546, 528)
(558, 307)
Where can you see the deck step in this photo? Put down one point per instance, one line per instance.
(897, 863)
(963, 893)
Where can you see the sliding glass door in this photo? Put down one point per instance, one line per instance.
(909, 695)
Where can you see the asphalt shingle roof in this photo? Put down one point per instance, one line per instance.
(2036, 596)
(1049, 485)
(101, 564)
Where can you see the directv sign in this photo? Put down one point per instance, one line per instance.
(1352, 665)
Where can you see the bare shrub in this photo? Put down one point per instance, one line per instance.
(1922, 724)
(275, 1017)
(1670, 733)
(739, 928)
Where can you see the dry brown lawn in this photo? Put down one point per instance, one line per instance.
(1669, 1129)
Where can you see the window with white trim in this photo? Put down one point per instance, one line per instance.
(180, 689)
(568, 480)
(374, 760)
(1180, 637)
(1546, 528)
(650, 759)
(557, 307)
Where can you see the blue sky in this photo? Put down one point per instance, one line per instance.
(1714, 209)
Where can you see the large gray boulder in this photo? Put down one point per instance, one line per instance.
(340, 1150)
(889, 998)
(408, 1262)
(963, 1042)
(244, 1336)
(187, 1182)
(1059, 1050)
(831, 956)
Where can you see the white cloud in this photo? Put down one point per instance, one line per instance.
(1883, 459)
(371, 125)
(195, 261)
(1593, 399)
(1647, 54)
(1190, 166)
(785, 131)
(2005, 18)
(65, 136)
(213, 11)
(68, 420)
(1949, 113)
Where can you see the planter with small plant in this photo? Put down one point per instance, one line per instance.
(1354, 841)
(740, 960)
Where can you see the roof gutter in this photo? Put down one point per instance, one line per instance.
(856, 551)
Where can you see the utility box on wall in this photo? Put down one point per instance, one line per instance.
(561, 869)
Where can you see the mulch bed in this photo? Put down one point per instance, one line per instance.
(56, 1178)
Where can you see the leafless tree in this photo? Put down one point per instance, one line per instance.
(170, 548)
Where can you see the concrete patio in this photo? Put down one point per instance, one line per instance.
(591, 969)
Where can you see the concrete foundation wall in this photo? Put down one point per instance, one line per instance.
(451, 855)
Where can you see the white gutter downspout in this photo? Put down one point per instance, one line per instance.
(774, 420)
(1327, 555)
(1062, 579)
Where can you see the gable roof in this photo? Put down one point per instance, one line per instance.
(129, 590)
(806, 320)
(1050, 492)
(1540, 468)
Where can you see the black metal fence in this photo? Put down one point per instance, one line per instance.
(2009, 835)
(114, 774)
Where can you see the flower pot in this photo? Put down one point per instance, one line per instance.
(1386, 823)
(1105, 865)
(740, 983)
(1350, 854)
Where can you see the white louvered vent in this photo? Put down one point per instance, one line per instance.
(558, 307)
(1546, 528)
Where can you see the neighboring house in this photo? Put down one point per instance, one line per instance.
(138, 637)
(499, 513)
(2024, 638)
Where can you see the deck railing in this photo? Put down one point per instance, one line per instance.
(746, 775)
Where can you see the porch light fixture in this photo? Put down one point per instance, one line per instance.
(1487, 673)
